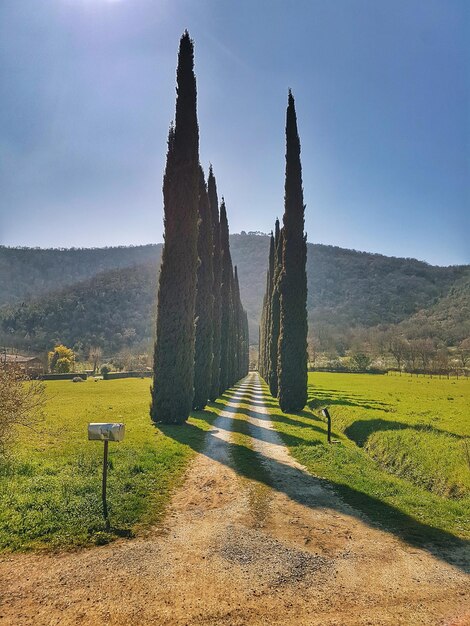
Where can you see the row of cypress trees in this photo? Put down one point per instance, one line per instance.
(283, 329)
(201, 345)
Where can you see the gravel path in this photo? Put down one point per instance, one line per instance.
(236, 551)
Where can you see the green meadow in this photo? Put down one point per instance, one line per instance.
(50, 482)
(400, 455)
(400, 451)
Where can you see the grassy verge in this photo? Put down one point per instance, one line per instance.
(50, 481)
(396, 483)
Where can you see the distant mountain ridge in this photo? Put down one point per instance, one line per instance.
(106, 296)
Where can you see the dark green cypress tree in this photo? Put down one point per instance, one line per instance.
(261, 339)
(225, 301)
(269, 293)
(204, 301)
(232, 354)
(292, 351)
(173, 389)
(217, 281)
(238, 312)
(246, 340)
(275, 314)
(263, 329)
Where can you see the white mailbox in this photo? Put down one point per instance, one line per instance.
(106, 432)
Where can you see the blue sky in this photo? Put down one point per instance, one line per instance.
(382, 95)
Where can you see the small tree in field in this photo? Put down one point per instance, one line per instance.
(95, 355)
(361, 361)
(61, 359)
(21, 402)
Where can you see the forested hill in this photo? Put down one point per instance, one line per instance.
(28, 272)
(106, 296)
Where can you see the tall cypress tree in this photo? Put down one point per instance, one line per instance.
(238, 316)
(262, 336)
(216, 285)
(269, 292)
(238, 327)
(292, 354)
(172, 391)
(233, 340)
(275, 313)
(246, 344)
(204, 301)
(225, 300)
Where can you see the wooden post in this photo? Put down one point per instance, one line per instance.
(326, 413)
(103, 484)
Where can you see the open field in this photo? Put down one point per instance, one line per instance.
(401, 458)
(50, 485)
(401, 449)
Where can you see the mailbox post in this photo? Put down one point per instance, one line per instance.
(105, 432)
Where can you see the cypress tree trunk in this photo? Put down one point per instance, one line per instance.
(217, 280)
(226, 300)
(292, 352)
(172, 391)
(275, 314)
(204, 302)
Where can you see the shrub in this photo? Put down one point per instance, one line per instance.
(61, 359)
(20, 404)
(105, 369)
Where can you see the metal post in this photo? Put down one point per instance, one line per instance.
(103, 485)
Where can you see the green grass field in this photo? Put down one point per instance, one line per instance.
(401, 448)
(50, 484)
(400, 457)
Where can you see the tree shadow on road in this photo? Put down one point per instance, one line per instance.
(297, 484)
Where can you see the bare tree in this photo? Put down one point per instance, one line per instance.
(464, 352)
(397, 346)
(312, 347)
(426, 350)
(95, 355)
(441, 361)
(411, 356)
(21, 402)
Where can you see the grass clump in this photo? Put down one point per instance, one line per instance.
(428, 459)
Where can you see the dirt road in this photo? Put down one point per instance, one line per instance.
(236, 551)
